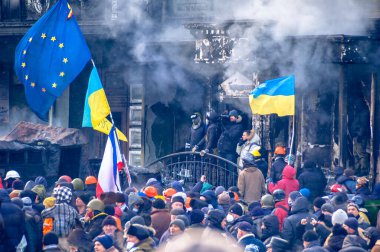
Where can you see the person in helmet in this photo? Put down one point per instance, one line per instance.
(91, 183)
(281, 208)
(251, 181)
(197, 133)
(260, 161)
(212, 134)
(9, 178)
(278, 164)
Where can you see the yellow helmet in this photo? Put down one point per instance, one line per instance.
(256, 152)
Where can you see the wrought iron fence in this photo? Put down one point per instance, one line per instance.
(189, 167)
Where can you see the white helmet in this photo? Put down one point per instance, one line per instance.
(12, 174)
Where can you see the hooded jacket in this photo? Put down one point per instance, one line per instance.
(313, 179)
(271, 229)
(288, 183)
(334, 241)
(251, 184)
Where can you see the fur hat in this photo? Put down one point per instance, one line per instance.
(137, 230)
(179, 223)
(339, 217)
(105, 240)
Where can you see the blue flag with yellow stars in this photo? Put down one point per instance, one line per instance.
(49, 57)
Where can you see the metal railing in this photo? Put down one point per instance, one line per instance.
(190, 166)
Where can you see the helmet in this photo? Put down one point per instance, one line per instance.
(267, 200)
(280, 150)
(78, 184)
(96, 204)
(278, 195)
(150, 191)
(358, 200)
(212, 116)
(248, 158)
(337, 188)
(91, 180)
(256, 152)
(12, 174)
(67, 178)
(169, 192)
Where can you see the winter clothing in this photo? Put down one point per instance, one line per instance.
(94, 226)
(277, 167)
(250, 244)
(288, 183)
(160, 221)
(281, 210)
(334, 241)
(271, 229)
(230, 136)
(212, 134)
(247, 147)
(248, 190)
(79, 238)
(313, 179)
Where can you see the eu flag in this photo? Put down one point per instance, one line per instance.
(49, 57)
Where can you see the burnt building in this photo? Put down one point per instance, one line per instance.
(162, 60)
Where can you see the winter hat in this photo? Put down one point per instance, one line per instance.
(85, 197)
(353, 205)
(215, 217)
(177, 211)
(294, 195)
(105, 240)
(18, 184)
(134, 199)
(224, 198)
(252, 205)
(41, 181)
(256, 212)
(206, 186)
(196, 216)
(27, 203)
(109, 220)
(310, 236)
(49, 202)
(11, 174)
(40, 190)
(245, 226)
(278, 244)
(180, 194)
(219, 190)
(139, 231)
(318, 202)
(29, 185)
(236, 209)
(50, 238)
(151, 181)
(327, 207)
(158, 204)
(177, 186)
(267, 201)
(352, 223)
(184, 218)
(233, 113)
(96, 204)
(179, 223)
(198, 204)
(339, 217)
(120, 197)
(137, 220)
(305, 192)
(178, 199)
(78, 184)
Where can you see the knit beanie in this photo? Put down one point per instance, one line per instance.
(181, 194)
(219, 190)
(327, 207)
(105, 240)
(236, 209)
(305, 192)
(27, 203)
(294, 195)
(50, 238)
(352, 223)
(310, 236)
(353, 205)
(18, 184)
(179, 223)
(184, 218)
(109, 220)
(137, 220)
(49, 202)
(177, 211)
(318, 202)
(178, 199)
(339, 217)
(158, 204)
(224, 198)
(196, 216)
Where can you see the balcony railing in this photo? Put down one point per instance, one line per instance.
(189, 167)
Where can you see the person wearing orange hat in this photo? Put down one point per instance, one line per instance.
(90, 184)
(278, 164)
(150, 191)
(168, 193)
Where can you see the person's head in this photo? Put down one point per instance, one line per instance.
(176, 227)
(353, 209)
(177, 202)
(349, 172)
(267, 201)
(79, 240)
(243, 229)
(109, 225)
(235, 211)
(82, 200)
(317, 203)
(309, 237)
(175, 212)
(278, 195)
(245, 135)
(293, 196)
(327, 209)
(197, 217)
(339, 217)
(50, 238)
(102, 243)
(135, 233)
(351, 225)
(95, 205)
(233, 115)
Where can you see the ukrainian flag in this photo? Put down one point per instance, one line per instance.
(274, 97)
(96, 107)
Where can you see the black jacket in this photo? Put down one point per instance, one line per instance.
(33, 230)
(335, 241)
(94, 227)
(211, 139)
(277, 167)
(14, 222)
(230, 137)
(314, 180)
(196, 136)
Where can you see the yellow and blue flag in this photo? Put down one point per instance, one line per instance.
(96, 107)
(274, 97)
(49, 57)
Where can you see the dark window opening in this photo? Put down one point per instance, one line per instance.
(16, 157)
(70, 161)
(34, 157)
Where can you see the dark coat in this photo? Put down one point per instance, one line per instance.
(250, 244)
(211, 139)
(314, 180)
(94, 227)
(289, 230)
(335, 240)
(14, 222)
(277, 167)
(33, 228)
(160, 221)
(262, 165)
(233, 226)
(271, 224)
(196, 136)
(230, 137)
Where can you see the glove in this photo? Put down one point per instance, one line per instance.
(203, 152)
(241, 142)
(195, 148)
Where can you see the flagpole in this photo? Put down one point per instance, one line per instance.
(292, 140)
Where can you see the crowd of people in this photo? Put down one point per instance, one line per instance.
(284, 212)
